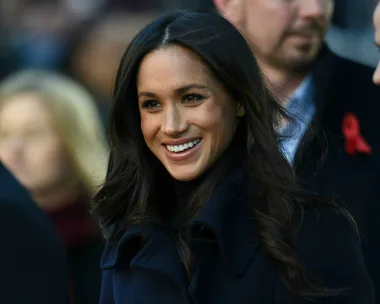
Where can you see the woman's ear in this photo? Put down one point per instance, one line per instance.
(240, 111)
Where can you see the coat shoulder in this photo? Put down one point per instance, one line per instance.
(355, 78)
(344, 65)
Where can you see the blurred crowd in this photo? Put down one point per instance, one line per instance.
(58, 63)
(85, 39)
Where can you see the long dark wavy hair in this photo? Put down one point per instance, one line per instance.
(136, 188)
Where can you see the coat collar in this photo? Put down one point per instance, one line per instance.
(226, 215)
(159, 254)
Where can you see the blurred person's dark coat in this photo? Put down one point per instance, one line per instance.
(84, 246)
(322, 162)
(33, 263)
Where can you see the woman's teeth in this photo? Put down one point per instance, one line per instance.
(183, 147)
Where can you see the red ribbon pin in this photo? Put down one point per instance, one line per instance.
(354, 143)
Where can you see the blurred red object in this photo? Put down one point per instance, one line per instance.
(354, 142)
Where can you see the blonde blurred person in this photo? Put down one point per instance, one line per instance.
(51, 139)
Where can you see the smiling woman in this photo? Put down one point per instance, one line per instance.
(199, 204)
(187, 118)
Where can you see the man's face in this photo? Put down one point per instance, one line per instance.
(282, 33)
(376, 23)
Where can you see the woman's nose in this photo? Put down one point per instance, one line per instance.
(174, 121)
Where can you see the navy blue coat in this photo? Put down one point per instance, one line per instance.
(33, 261)
(231, 266)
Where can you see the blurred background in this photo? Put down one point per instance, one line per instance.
(85, 38)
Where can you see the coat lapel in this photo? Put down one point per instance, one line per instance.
(158, 253)
(227, 216)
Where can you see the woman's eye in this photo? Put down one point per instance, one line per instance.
(192, 98)
(150, 104)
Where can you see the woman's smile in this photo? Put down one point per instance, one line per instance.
(184, 151)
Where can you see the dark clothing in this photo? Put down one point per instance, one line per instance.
(230, 264)
(84, 247)
(85, 272)
(341, 87)
(33, 265)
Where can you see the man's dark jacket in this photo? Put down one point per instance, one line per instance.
(343, 87)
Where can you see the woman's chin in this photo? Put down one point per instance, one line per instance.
(183, 174)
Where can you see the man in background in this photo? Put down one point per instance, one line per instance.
(335, 148)
(33, 262)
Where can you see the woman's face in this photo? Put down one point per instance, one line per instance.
(187, 118)
(29, 145)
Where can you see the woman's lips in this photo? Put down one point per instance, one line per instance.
(183, 155)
